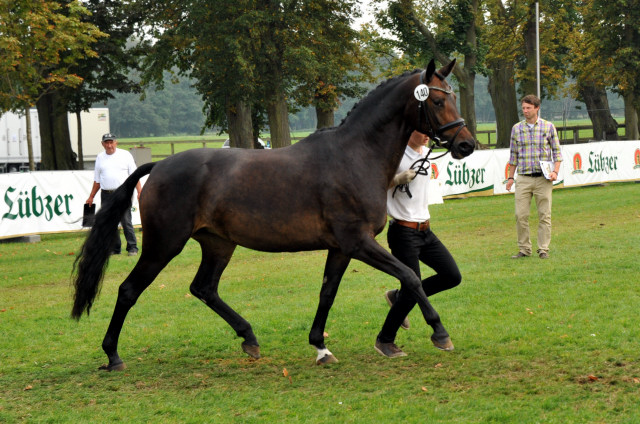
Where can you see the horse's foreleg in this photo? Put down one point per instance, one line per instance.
(334, 270)
(216, 254)
(130, 290)
(375, 255)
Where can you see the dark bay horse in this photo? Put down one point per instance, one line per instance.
(327, 191)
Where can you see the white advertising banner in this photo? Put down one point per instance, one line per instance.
(595, 163)
(473, 174)
(46, 202)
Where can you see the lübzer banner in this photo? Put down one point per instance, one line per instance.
(46, 202)
(473, 175)
(596, 163)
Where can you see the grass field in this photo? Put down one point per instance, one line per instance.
(537, 341)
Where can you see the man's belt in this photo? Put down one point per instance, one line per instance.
(535, 174)
(420, 226)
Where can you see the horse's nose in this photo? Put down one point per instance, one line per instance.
(466, 147)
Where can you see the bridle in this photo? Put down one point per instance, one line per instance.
(429, 117)
(424, 164)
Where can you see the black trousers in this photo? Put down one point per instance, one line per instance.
(411, 247)
(127, 227)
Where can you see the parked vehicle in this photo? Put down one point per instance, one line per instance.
(14, 154)
(265, 144)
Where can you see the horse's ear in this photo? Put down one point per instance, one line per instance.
(446, 70)
(431, 68)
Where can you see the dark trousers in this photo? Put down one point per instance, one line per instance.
(127, 227)
(411, 246)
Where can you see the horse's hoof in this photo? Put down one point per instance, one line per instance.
(251, 350)
(444, 344)
(113, 367)
(326, 360)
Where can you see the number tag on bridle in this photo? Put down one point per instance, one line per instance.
(421, 92)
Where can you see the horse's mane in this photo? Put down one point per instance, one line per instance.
(370, 98)
(376, 92)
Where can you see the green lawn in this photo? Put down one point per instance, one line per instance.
(537, 341)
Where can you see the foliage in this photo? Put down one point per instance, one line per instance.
(110, 71)
(550, 341)
(616, 42)
(41, 41)
(253, 50)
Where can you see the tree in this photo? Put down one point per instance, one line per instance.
(616, 43)
(500, 33)
(109, 71)
(335, 62)
(41, 41)
(591, 78)
(255, 58)
(442, 32)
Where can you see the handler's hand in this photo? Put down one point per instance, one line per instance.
(509, 185)
(404, 177)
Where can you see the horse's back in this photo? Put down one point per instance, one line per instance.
(262, 199)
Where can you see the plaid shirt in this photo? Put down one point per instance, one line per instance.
(531, 145)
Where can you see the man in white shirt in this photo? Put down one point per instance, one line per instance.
(113, 166)
(411, 241)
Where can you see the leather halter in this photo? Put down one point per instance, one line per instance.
(429, 117)
(422, 165)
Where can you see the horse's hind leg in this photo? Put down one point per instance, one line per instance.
(142, 275)
(334, 269)
(216, 254)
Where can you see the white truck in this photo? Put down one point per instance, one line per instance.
(14, 155)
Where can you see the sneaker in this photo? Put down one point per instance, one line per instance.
(114, 252)
(391, 295)
(390, 350)
(544, 255)
(519, 255)
(133, 252)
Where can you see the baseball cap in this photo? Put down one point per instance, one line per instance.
(108, 136)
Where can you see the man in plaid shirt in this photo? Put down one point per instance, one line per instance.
(533, 140)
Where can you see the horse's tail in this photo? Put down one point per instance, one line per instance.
(91, 263)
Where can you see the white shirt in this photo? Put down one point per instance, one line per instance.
(415, 208)
(111, 170)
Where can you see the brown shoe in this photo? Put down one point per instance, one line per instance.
(391, 295)
(544, 255)
(519, 255)
(390, 350)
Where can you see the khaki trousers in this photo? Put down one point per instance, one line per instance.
(540, 188)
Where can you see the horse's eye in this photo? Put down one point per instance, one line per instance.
(438, 102)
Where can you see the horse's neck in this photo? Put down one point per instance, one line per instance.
(378, 131)
(378, 148)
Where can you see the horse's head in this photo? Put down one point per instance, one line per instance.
(438, 115)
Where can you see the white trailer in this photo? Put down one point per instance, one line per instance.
(14, 155)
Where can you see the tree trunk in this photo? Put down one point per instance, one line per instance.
(240, 125)
(55, 142)
(604, 126)
(467, 99)
(80, 150)
(27, 117)
(278, 112)
(468, 85)
(325, 118)
(630, 118)
(505, 103)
